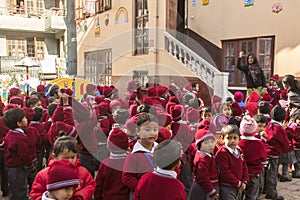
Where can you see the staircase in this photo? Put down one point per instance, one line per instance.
(202, 69)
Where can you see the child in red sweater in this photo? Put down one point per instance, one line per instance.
(233, 167)
(254, 159)
(206, 175)
(163, 179)
(140, 160)
(17, 157)
(65, 147)
(294, 129)
(109, 178)
(277, 143)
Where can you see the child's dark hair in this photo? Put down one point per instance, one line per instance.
(64, 142)
(145, 117)
(32, 101)
(229, 129)
(264, 107)
(278, 113)
(229, 100)
(121, 116)
(38, 114)
(167, 154)
(227, 104)
(52, 99)
(51, 109)
(143, 108)
(260, 118)
(12, 116)
(206, 109)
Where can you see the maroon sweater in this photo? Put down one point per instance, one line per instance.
(294, 132)
(42, 132)
(277, 142)
(159, 186)
(253, 158)
(34, 139)
(17, 149)
(206, 172)
(3, 131)
(233, 170)
(109, 180)
(136, 165)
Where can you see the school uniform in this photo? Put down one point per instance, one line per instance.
(3, 173)
(138, 162)
(18, 160)
(254, 160)
(160, 184)
(233, 172)
(206, 177)
(294, 131)
(277, 143)
(109, 183)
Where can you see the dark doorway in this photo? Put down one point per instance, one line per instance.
(180, 16)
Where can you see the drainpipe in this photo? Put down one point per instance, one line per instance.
(71, 39)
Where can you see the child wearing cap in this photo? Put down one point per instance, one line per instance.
(163, 179)
(237, 114)
(233, 167)
(277, 143)
(140, 160)
(62, 180)
(206, 175)
(65, 147)
(254, 159)
(109, 183)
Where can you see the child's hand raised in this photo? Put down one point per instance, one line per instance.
(215, 197)
(243, 187)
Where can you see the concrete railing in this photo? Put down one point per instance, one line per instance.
(205, 71)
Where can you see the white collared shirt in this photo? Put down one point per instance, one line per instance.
(171, 173)
(249, 138)
(45, 196)
(139, 147)
(235, 151)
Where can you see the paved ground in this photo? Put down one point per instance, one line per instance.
(289, 190)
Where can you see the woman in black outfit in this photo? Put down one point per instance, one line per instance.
(254, 75)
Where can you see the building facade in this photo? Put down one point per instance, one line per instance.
(175, 41)
(33, 28)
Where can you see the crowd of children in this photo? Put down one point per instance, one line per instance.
(165, 144)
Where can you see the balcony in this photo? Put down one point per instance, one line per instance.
(55, 20)
(25, 19)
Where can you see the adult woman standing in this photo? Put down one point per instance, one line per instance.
(254, 75)
(290, 83)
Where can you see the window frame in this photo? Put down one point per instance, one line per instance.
(244, 44)
(98, 66)
(142, 32)
(16, 40)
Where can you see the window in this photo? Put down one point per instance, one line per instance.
(35, 7)
(40, 48)
(103, 5)
(262, 47)
(20, 47)
(98, 66)
(141, 33)
(79, 12)
(87, 8)
(142, 78)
